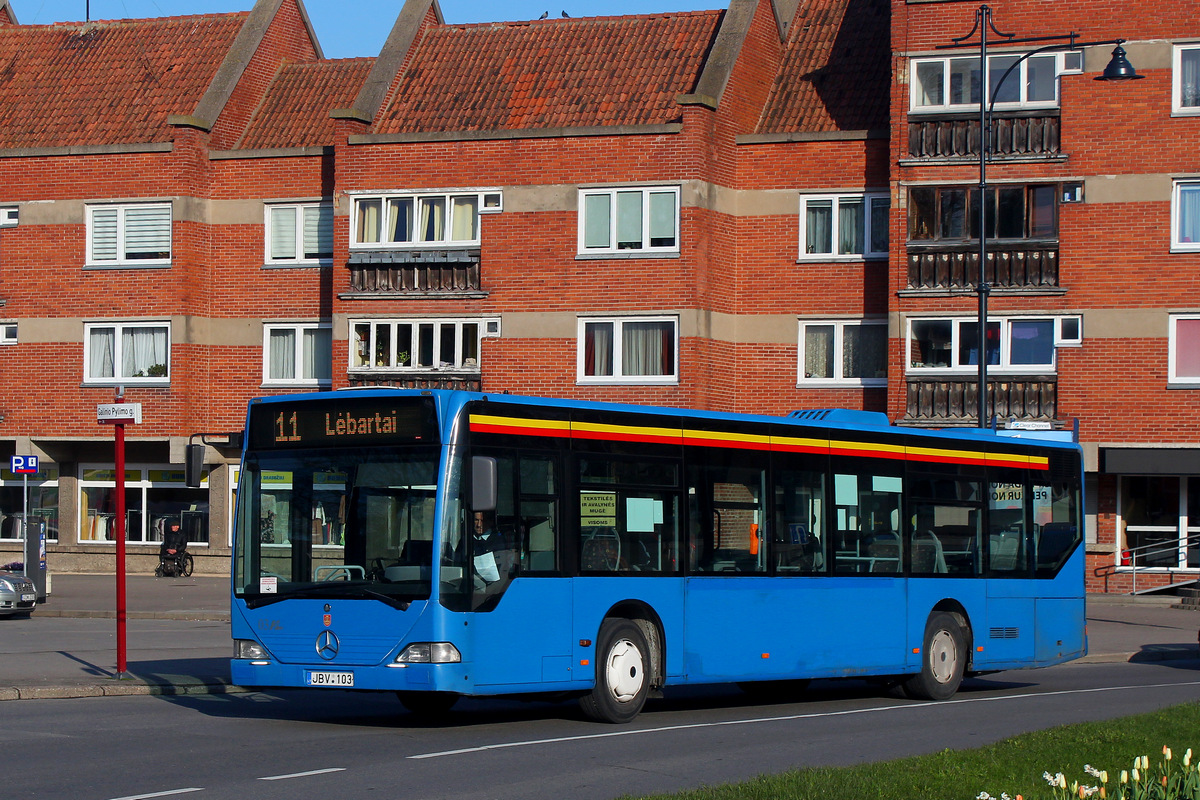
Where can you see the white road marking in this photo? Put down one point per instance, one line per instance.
(791, 718)
(302, 774)
(160, 794)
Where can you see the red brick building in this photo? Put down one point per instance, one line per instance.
(693, 209)
(1093, 211)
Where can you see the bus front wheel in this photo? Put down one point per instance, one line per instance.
(622, 673)
(943, 659)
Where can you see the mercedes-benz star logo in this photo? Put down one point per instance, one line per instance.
(327, 645)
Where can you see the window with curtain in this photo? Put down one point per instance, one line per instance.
(298, 355)
(628, 349)
(1185, 212)
(127, 352)
(421, 220)
(129, 235)
(843, 351)
(1186, 79)
(1184, 349)
(844, 225)
(418, 345)
(629, 220)
(300, 233)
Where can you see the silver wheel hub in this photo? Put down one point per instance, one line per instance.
(623, 671)
(943, 656)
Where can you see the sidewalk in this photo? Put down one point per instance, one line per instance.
(178, 638)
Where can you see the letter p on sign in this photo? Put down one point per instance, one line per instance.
(24, 465)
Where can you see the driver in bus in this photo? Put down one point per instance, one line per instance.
(488, 549)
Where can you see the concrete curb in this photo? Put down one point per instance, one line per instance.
(191, 616)
(116, 689)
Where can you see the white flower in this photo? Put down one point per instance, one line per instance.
(1124, 776)
(1136, 775)
(1090, 770)
(1104, 776)
(983, 796)
(1166, 752)
(1061, 780)
(1050, 779)
(1187, 758)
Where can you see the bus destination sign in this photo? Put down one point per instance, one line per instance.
(343, 422)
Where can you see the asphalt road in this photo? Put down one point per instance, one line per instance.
(348, 745)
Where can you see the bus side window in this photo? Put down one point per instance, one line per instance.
(799, 531)
(731, 501)
(867, 507)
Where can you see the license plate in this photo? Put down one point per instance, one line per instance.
(28, 598)
(330, 678)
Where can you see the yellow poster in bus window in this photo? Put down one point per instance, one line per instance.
(598, 509)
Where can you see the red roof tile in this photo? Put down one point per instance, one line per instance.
(558, 73)
(295, 111)
(106, 82)
(835, 75)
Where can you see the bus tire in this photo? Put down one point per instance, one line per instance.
(622, 673)
(427, 704)
(943, 659)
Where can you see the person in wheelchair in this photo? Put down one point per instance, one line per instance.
(173, 558)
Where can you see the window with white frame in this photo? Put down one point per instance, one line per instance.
(420, 219)
(8, 333)
(628, 350)
(127, 352)
(1184, 350)
(297, 355)
(299, 233)
(1185, 215)
(418, 345)
(135, 234)
(629, 220)
(844, 225)
(1185, 77)
(843, 352)
(954, 83)
(1016, 344)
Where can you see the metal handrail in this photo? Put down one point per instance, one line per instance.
(1147, 550)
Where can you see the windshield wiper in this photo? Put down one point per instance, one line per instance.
(339, 589)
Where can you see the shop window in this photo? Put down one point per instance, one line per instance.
(155, 499)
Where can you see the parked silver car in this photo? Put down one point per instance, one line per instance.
(17, 594)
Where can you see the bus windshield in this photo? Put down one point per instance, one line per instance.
(338, 522)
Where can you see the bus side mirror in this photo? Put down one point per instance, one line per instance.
(483, 483)
(193, 465)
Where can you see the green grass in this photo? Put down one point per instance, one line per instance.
(1014, 765)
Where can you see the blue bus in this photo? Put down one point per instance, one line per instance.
(441, 544)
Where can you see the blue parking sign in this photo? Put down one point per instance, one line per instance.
(24, 465)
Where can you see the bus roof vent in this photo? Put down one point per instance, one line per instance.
(841, 416)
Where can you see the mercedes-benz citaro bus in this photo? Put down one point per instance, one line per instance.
(441, 544)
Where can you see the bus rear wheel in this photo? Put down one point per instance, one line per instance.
(622, 673)
(943, 659)
(427, 704)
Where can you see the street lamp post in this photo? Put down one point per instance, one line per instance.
(1118, 69)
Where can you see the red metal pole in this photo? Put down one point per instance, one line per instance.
(120, 533)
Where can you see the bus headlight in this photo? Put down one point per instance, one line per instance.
(248, 648)
(429, 653)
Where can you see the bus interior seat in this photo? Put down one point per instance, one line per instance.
(927, 554)
(884, 549)
(1004, 547)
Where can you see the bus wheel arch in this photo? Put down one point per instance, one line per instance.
(945, 653)
(627, 664)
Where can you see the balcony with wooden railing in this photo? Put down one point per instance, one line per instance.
(951, 401)
(415, 272)
(1025, 134)
(1025, 265)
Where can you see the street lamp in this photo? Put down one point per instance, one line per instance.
(1118, 69)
